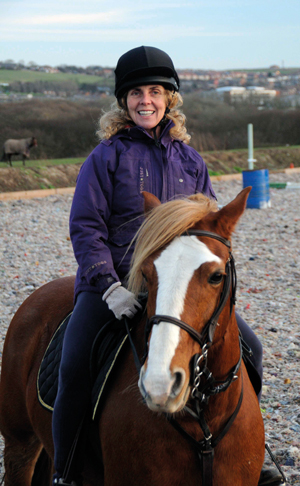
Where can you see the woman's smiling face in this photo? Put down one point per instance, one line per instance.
(146, 105)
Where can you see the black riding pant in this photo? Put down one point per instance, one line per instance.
(74, 384)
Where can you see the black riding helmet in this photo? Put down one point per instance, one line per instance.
(144, 65)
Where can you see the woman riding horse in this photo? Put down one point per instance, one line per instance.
(144, 147)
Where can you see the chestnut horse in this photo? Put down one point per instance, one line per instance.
(193, 398)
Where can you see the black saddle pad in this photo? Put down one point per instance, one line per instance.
(106, 349)
(47, 381)
(104, 354)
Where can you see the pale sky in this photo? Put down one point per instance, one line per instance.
(210, 34)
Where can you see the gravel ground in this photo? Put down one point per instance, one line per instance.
(35, 248)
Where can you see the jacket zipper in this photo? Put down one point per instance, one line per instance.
(164, 195)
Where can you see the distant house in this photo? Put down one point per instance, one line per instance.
(254, 94)
(261, 94)
(108, 72)
(48, 69)
(192, 76)
(232, 93)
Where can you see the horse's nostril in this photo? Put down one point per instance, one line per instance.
(179, 377)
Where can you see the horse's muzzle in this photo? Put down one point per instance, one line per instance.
(162, 392)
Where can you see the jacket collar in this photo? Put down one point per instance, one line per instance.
(139, 133)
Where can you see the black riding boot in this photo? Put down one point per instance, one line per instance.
(61, 482)
(270, 477)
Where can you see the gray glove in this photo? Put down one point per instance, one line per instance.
(120, 301)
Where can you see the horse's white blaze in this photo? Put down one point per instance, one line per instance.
(175, 267)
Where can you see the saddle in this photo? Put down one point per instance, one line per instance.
(105, 353)
(106, 349)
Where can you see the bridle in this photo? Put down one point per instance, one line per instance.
(201, 392)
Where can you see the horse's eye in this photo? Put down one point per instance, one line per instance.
(216, 278)
(144, 276)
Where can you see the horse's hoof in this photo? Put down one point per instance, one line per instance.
(270, 477)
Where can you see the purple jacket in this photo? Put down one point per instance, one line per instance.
(107, 208)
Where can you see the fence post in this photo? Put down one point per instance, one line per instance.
(251, 160)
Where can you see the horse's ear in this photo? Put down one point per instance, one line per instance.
(150, 201)
(228, 216)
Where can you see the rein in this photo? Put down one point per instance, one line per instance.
(201, 393)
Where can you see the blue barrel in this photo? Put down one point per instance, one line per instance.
(259, 197)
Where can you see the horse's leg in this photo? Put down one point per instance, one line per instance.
(43, 471)
(24, 157)
(25, 460)
(20, 457)
(24, 423)
(22, 447)
(9, 159)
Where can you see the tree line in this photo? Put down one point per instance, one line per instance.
(68, 129)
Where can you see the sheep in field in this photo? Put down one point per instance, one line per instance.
(18, 147)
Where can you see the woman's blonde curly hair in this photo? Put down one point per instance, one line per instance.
(117, 118)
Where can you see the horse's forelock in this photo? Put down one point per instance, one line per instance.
(161, 226)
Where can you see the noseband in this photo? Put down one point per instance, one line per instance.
(207, 334)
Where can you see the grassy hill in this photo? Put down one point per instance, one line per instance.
(49, 174)
(24, 76)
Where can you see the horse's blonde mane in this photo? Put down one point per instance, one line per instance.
(161, 226)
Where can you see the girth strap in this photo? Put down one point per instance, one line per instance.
(207, 461)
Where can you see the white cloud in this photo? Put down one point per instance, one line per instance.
(110, 17)
(138, 22)
(137, 34)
